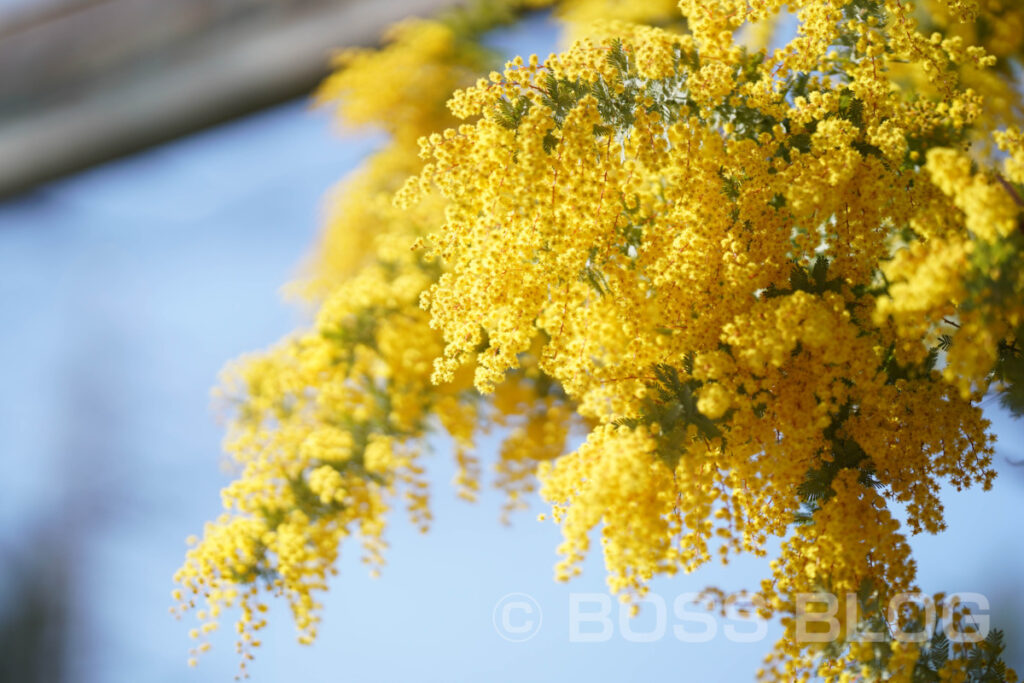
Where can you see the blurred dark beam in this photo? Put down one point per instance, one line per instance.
(86, 81)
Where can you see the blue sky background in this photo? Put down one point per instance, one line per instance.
(124, 289)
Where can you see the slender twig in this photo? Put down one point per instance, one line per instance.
(1016, 197)
(1010, 188)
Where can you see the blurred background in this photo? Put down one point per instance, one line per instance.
(161, 175)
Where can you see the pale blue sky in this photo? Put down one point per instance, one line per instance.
(124, 289)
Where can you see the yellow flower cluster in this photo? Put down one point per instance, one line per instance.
(738, 270)
(326, 428)
(854, 547)
(967, 281)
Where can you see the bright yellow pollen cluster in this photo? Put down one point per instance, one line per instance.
(771, 286)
